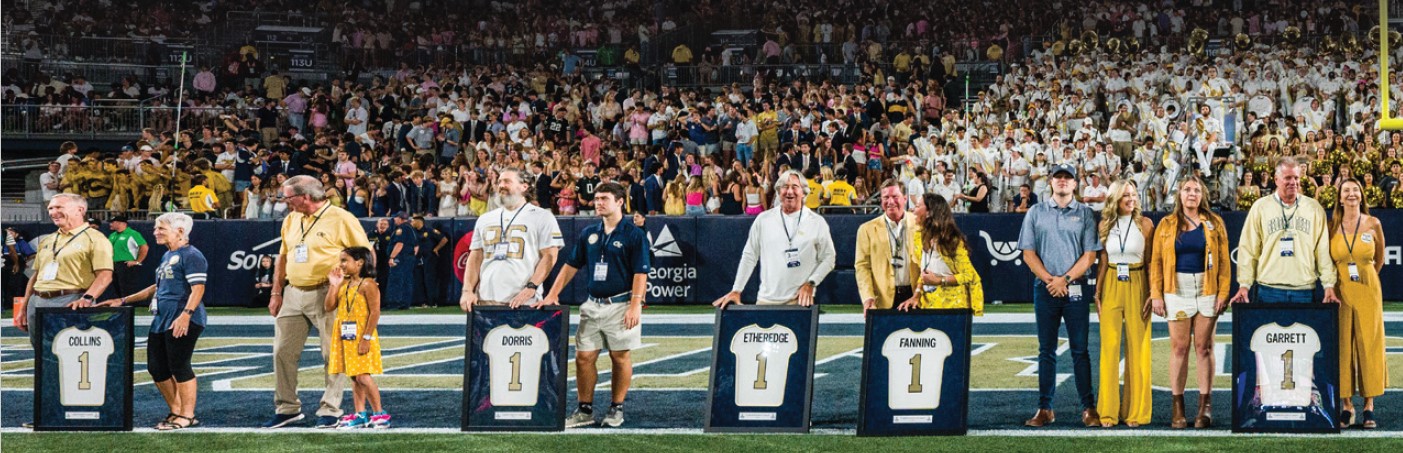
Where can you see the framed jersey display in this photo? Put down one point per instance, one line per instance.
(514, 378)
(1285, 368)
(83, 369)
(915, 373)
(762, 367)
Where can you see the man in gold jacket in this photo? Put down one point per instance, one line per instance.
(886, 271)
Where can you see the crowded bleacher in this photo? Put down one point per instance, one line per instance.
(429, 100)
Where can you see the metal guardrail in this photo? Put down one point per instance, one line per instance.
(102, 121)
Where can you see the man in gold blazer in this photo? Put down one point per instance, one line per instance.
(886, 270)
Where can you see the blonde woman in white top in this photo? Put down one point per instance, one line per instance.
(1122, 300)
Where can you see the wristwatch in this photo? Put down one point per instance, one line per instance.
(89, 297)
(189, 311)
(532, 285)
(366, 337)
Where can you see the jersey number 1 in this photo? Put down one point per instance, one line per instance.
(1287, 379)
(915, 386)
(515, 384)
(83, 382)
(760, 383)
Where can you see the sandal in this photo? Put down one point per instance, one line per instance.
(165, 421)
(1346, 419)
(1369, 422)
(174, 425)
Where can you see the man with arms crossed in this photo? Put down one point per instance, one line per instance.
(616, 256)
(791, 244)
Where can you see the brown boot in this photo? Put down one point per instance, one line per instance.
(1178, 421)
(1090, 418)
(1042, 418)
(1205, 411)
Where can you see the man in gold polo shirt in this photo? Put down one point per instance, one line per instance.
(73, 265)
(313, 234)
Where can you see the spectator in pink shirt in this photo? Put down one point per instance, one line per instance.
(589, 147)
(204, 82)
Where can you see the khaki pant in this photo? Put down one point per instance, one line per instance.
(33, 305)
(301, 310)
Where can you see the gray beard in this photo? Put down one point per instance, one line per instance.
(513, 201)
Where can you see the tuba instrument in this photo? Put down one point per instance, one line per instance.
(1091, 39)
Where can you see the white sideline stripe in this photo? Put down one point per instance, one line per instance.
(1010, 432)
(690, 319)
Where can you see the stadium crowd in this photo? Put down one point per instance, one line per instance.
(431, 139)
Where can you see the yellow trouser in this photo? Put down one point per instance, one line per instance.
(1363, 364)
(1121, 304)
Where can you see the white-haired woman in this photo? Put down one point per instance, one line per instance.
(177, 321)
(1123, 300)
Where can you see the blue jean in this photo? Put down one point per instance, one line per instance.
(744, 152)
(1050, 312)
(1269, 295)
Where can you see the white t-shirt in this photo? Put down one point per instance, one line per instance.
(514, 363)
(1094, 191)
(82, 365)
(915, 189)
(762, 364)
(528, 230)
(916, 367)
(1285, 363)
(44, 180)
(227, 158)
(771, 239)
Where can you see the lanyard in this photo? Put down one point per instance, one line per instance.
(1124, 235)
(896, 241)
(55, 248)
(1349, 244)
(604, 248)
(509, 222)
(1286, 224)
(305, 229)
(787, 234)
(346, 296)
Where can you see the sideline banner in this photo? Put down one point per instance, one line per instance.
(915, 373)
(83, 369)
(1286, 368)
(514, 378)
(762, 369)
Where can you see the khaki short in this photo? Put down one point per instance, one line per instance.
(602, 327)
(1186, 301)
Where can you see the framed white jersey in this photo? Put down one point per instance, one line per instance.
(920, 358)
(83, 369)
(82, 365)
(1285, 363)
(762, 362)
(515, 364)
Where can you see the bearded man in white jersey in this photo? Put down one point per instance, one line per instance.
(513, 249)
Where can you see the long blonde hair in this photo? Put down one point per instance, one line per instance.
(1203, 207)
(1113, 196)
(1338, 218)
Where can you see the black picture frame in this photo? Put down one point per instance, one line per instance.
(557, 357)
(124, 333)
(877, 420)
(1322, 416)
(722, 413)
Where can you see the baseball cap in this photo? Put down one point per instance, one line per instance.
(118, 218)
(1064, 168)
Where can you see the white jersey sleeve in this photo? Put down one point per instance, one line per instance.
(1285, 363)
(514, 364)
(762, 364)
(82, 365)
(915, 368)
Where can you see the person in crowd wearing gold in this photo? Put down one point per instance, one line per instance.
(948, 279)
(1123, 302)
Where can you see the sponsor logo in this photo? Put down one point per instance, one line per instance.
(670, 277)
(247, 260)
(664, 246)
(1004, 251)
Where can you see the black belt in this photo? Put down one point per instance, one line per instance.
(903, 290)
(58, 293)
(616, 299)
(309, 288)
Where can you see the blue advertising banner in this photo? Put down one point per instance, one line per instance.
(915, 373)
(762, 369)
(1286, 368)
(694, 258)
(83, 369)
(514, 378)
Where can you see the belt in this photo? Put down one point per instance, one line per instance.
(59, 293)
(1134, 267)
(309, 287)
(616, 299)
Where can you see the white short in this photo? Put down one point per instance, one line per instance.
(1186, 300)
(602, 327)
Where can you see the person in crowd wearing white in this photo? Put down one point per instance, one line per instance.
(791, 244)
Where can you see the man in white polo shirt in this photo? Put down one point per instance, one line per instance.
(791, 244)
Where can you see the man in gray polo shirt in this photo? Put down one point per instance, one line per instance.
(1059, 243)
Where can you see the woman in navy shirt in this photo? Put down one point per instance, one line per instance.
(178, 318)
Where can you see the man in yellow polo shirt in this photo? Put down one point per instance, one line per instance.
(203, 202)
(314, 233)
(72, 267)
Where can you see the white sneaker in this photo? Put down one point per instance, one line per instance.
(579, 419)
(614, 418)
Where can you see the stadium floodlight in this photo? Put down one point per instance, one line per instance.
(1386, 121)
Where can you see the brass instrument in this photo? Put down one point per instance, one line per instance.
(1115, 46)
(1350, 42)
(1059, 47)
(1292, 34)
(1091, 39)
(995, 52)
(1242, 42)
(1133, 44)
(1076, 47)
(1198, 42)
(1329, 45)
(1394, 38)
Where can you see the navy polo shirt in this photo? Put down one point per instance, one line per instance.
(625, 251)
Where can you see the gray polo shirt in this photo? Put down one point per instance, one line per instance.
(1059, 235)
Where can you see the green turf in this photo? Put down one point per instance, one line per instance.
(191, 441)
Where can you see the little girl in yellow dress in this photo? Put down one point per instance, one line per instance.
(356, 350)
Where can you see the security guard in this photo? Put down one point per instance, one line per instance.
(431, 242)
(404, 248)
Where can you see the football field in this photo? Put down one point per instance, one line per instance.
(421, 387)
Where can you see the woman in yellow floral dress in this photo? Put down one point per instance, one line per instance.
(948, 279)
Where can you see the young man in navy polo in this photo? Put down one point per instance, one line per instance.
(615, 257)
